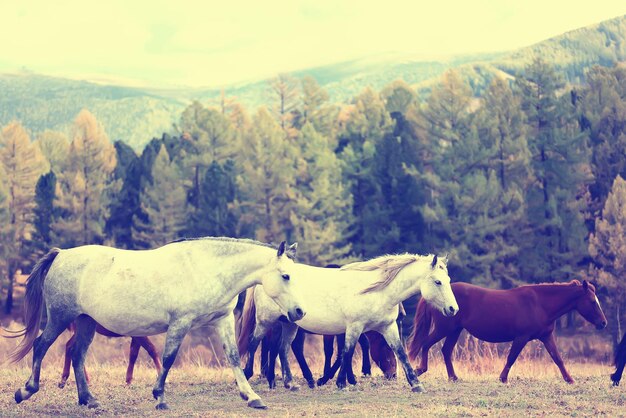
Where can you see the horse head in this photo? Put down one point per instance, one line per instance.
(436, 288)
(277, 282)
(588, 305)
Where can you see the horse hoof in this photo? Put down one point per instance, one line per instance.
(420, 372)
(257, 404)
(452, 378)
(272, 384)
(162, 406)
(341, 385)
(321, 382)
(93, 404)
(18, 396)
(293, 388)
(570, 381)
(243, 396)
(615, 382)
(419, 388)
(61, 385)
(311, 384)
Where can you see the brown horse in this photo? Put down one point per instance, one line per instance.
(135, 345)
(520, 315)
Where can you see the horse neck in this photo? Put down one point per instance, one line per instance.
(557, 299)
(247, 269)
(407, 283)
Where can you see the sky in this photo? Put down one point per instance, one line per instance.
(211, 44)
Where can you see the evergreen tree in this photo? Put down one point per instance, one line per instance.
(285, 95)
(560, 162)
(22, 163)
(45, 213)
(163, 203)
(215, 215)
(607, 246)
(316, 109)
(365, 125)
(268, 181)
(85, 188)
(125, 204)
(323, 204)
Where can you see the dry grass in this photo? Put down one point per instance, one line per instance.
(535, 389)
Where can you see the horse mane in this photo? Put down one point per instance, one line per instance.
(390, 266)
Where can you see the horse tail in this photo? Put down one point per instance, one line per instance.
(33, 306)
(248, 321)
(620, 352)
(421, 328)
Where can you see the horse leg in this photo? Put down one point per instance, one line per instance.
(42, 343)
(288, 334)
(297, 346)
(273, 346)
(85, 331)
(265, 355)
(349, 370)
(259, 333)
(431, 340)
(352, 335)
(619, 370)
(550, 343)
(446, 350)
(329, 342)
(517, 347)
(68, 359)
(176, 332)
(392, 336)
(226, 330)
(132, 358)
(366, 367)
(152, 352)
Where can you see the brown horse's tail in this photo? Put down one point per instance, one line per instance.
(248, 321)
(620, 353)
(33, 306)
(421, 328)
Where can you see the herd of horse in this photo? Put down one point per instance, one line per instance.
(198, 282)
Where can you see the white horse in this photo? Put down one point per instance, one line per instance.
(357, 298)
(176, 287)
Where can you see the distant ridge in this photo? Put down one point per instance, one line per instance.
(136, 114)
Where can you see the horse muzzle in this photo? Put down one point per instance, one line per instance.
(601, 325)
(296, 314)
(450, 311)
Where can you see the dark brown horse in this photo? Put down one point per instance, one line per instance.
(135, 345)
(520, 315)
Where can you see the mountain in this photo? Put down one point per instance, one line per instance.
(138, 114)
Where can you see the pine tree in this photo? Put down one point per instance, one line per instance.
(84, 189)
(215, 215)
(45, 213)
(125, 204)
(365, 125)
(560, 162)
(22, 164)
(323, 203)
(267, 181)
(163, 202)
(285, 95)
(607, 247)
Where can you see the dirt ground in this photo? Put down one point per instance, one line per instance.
(535, 389)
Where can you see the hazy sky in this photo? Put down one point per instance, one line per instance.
(210, 43)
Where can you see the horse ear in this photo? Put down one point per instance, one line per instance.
(281, 248)
(291, 251)
(575, 283)
(446, 257)
(434, 264)
(585, 284)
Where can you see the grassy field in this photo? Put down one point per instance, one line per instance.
(535, 389)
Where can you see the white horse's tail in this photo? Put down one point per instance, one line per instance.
(248, 322)
(33, 306)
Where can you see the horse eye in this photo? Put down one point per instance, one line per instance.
(438, 282)
(286, 276)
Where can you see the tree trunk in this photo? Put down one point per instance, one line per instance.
(8, 306)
